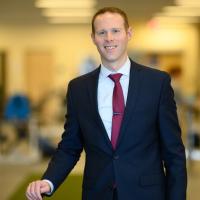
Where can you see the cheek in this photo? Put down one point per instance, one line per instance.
(124, 41)
(98, 43)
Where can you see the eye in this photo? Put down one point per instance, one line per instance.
(116, 30)
(101, 33)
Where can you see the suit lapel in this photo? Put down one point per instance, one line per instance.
(131, 98)
(92, 85)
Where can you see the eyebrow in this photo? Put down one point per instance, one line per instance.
(108, 29)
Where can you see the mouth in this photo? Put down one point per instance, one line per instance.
(110, 47)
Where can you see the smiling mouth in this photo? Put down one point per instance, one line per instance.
(110, 47)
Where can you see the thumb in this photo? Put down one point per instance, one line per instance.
(45, 188)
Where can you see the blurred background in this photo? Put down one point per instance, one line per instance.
(46, 43)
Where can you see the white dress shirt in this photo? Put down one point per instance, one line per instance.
(105, 92)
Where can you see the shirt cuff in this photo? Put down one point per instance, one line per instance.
(51, 186)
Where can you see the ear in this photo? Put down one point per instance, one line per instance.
(93, 37)
(129, 33)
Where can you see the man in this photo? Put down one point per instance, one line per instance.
(124, 116)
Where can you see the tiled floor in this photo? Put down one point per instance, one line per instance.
(12, 175)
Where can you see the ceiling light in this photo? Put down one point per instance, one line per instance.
(65, 3)
(67, 12)
(182, 11)
(195, 3)
(175, 19)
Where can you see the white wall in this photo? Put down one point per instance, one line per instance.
(71, 44)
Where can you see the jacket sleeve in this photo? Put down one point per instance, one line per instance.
(69, 149)
(173, 151)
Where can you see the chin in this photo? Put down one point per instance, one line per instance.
(111, 58)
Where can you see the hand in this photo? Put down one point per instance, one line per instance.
(36, 188)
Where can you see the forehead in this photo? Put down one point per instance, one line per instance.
(109, 20)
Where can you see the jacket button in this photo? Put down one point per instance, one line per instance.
(112, 186)
(116, 157)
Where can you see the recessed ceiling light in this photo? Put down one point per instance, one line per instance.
(67, 12)
(65, 3)
(182, 11)
(195, 3)
(175, 19)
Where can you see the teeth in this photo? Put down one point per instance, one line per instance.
(110, 47)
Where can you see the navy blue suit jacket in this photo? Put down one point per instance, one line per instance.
(149, 160)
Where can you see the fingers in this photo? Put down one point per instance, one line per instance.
(45, 188)
(38, 185)
(33, 190)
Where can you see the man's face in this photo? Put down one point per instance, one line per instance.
(111, 39)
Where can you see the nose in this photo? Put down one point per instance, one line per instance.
(109, 36)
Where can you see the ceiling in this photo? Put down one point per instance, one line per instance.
(24, 11)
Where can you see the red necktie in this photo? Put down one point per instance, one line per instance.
(118, 108)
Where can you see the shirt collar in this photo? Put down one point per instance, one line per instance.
(125, 69)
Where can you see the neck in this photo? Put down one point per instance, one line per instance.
(114, 66)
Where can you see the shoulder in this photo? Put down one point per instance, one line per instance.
(148, 72)
(82, 80)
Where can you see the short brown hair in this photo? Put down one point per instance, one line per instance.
(111, 10)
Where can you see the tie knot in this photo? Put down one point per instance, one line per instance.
(115, 77)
